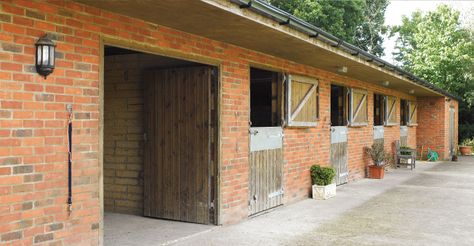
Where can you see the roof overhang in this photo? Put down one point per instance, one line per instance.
(254, 29)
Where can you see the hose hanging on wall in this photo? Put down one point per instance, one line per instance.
(69, 134)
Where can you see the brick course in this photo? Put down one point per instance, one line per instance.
(35, 107)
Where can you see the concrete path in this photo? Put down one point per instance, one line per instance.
(131, 230)
(432, 205)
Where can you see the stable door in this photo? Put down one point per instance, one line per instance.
(266, 141)
(179, 146)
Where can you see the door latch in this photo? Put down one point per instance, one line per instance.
(253, 132)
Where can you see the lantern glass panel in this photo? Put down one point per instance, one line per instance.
(38, 55)
(45, 52)
(51, 55)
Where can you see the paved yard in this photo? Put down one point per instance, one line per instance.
(130, 230)
(433, 205)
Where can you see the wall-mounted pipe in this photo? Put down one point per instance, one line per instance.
(69, 162)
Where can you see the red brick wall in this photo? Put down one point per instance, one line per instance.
(33, 143)
(305, 147)
(433, 130)
(33, 158)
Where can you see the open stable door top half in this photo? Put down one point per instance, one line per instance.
(180, 152)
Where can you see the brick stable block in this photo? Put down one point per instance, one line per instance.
(33, 119)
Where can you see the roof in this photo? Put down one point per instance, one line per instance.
(285, 18)
(258, 26)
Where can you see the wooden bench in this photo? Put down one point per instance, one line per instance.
(409, 155)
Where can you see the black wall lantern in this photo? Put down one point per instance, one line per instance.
(45, 56)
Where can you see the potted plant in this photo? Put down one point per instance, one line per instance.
(465, 147)
(322, 180)
(378, 156)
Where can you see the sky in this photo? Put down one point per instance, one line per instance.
(396, 9)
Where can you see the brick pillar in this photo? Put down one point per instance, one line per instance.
(433, 124)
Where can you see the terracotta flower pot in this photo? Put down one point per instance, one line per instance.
(465, 150)
(376, 172)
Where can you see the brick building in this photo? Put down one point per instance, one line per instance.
(204, 111)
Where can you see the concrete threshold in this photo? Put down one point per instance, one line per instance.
(133, 230)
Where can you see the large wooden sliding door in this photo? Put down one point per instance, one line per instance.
(179, 152)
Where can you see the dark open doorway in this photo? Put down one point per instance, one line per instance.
(339, 105)
(403, 112)
(153, 105)
(265, 99)
(379, 110)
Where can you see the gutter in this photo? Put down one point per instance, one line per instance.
(284, 18)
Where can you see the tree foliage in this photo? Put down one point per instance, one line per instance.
(434, 46)
(370, 31)
(359, 22)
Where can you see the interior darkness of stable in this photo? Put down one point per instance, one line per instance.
(264, 110)
(338, 105)
(379, 109)
(403, 112)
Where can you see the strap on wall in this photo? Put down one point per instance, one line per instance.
(69, 134)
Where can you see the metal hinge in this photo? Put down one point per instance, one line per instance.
(212, 204)
(276, 193)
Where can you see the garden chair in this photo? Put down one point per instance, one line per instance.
(408, 155)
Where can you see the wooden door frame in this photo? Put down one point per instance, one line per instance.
(166, 52)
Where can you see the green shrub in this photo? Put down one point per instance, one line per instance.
(322, 175)
(467, 142)
(466, 131)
